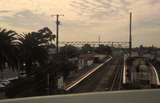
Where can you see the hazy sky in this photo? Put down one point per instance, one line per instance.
(86, 19)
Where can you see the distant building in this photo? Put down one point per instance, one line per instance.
(134, 53)
(85, 60)
(73, 60)
(99, 57)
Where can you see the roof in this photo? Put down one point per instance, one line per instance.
(87, 56)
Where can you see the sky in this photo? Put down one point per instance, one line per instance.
(85, 20)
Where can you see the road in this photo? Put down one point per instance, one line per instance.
(102, 79)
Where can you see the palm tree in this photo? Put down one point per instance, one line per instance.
(7, 49)
(33, 56)
(33, 49)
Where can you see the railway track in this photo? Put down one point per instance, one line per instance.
(87, 75)
(117, 79)
(98, 81)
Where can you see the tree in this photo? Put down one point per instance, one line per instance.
(69, 51)
(33, 49)
(7, 49)
(33, 56)
(29, 52)
(102, 49)
(87, 48)
(59, 66)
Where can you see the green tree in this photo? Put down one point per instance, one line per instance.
(69, 51)
(87, 49)
(33, 49)
(33, 56)
(30, 52)
(59, 66)
(7, 49)
(102, 49)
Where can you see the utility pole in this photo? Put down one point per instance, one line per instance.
(52, 82)
(112, 44)
(130, 35)
(57, 31)
(99, 40)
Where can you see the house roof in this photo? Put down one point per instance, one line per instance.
(87, 56)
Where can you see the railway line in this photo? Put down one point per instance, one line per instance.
(112, 76)
(101, 80)
(117, 80)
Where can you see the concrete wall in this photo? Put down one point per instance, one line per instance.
(137, 96)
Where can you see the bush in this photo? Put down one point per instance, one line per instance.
(19, 87)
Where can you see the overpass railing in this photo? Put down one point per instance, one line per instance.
(136, 96)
